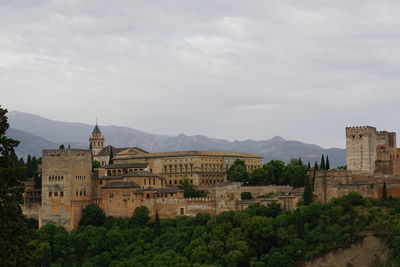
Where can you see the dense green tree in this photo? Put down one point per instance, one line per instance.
(92, 214)
(257, 236)
(157, 225)
(140, 217)
(274, 172)
(294, 175)
(95, 164)
(189, 189)
(246, 195)
(15, 248)
(259, 176)
(238, 172)
(322, 163)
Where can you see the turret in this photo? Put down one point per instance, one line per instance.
(96, 140)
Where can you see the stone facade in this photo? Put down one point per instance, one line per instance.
(66, 176)
(138, 178)
(372, 152)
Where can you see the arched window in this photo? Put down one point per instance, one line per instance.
(147, 196)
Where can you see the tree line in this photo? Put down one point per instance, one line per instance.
(257, 236)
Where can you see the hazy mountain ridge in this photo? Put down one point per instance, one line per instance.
(37, 133)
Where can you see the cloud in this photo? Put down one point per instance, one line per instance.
(299, 69)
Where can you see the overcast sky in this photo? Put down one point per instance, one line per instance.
(232, 69)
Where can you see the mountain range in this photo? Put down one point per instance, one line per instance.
(37, 133)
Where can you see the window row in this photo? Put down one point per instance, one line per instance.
(211, 181)
(178, 168)
(56, 193)
(171, 182)
(80, 177)
(80, 193)
(122, 172)
(211, 175)
(56, 178)
(149, 182)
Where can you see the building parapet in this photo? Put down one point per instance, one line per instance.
(63, 152)
(197, 199)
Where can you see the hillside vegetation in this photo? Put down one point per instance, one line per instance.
(258, 236)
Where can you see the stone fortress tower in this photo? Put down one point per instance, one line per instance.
(371, 152)
(66, 176)
(96, 140)
(361, 149)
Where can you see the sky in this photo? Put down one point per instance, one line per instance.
(235, 70)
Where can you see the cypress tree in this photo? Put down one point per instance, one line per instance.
(316, 166)
(29, 167)
(322, 164)
(300, 162)
(327, 165)
(308, 194)
(308, 166)
(111, 156)
(384, 192)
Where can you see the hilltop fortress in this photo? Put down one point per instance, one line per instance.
(131, 177)
(372, 160)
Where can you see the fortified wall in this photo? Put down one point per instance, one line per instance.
(372, 160)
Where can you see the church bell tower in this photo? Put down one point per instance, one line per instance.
(96, 140)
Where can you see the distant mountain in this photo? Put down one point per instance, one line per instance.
(36, 133)
(29, 143)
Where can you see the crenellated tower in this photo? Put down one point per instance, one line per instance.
(96, 140)
(361, 145)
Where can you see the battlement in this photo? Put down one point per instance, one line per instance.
(65, 152)
(197, 199)
(360, 130)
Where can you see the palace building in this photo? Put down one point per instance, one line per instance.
(132, 177)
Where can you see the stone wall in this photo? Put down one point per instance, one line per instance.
(333, 184)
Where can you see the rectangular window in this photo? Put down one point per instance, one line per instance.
(182, 211)
(56, 194)
(76, 193)
(61, 193)
(50, 194)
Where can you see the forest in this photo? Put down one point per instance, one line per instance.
(257, 236)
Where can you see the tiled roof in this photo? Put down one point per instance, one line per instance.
(121, 185)
(129, 165)
(111, 177)
(167, 190)
(141, 174)
(189, 153)
(106, 151)
(96, 130)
